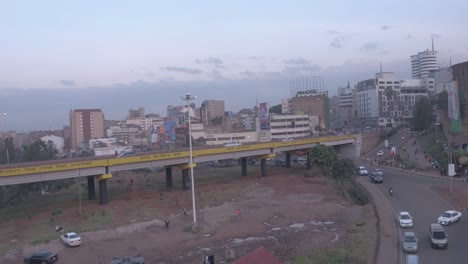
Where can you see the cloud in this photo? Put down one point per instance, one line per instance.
(436, 36)
(149, 74)
(409, 36)
(304, 69)
(210, 60)
(333, 32)
(248, 73)
(297, 61)
(182, 70)
(370, 46)
(386, 52)
(220, 66)
(256, 58)
(337, 42)
(385, 27)
(67, 82)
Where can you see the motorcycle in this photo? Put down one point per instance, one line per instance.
(390, 191)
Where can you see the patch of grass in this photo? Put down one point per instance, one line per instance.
(434, 149)
(354, 246)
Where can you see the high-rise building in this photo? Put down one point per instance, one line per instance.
(86, 124)
(309, 102)
(136, 113)
(345, 105)
(212, 111)
(423, 63)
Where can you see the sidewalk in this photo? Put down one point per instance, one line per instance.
(387, 236)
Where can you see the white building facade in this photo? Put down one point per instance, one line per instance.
(289, 126)
(55, 141)
(423, 63)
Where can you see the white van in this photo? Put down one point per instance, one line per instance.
(232, 144)
(301, 161)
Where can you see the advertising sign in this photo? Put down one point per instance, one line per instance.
(451, 169)
(393, 153)
(386, 143)
(453, 101)
(264, 117)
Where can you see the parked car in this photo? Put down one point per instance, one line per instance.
(380, 153)
(71, 239)
(437, 236)
(409, 242)
(362, 171)
(41, 257)
(449, 217)
(232, 144)
(375, 177)
(412, 259)
(405, 219)
(128, 260)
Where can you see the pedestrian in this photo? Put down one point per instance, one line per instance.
(185, 211)
(238, 213)
(131, 181)
(167, 223)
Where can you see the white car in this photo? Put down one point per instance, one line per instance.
(232, 144)
(449, 217)
(71, 239)
(380, 153)
(405, 219)
(362, 171)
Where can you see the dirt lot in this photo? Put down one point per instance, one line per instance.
(300, 220)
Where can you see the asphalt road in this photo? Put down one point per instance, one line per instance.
(413, 194)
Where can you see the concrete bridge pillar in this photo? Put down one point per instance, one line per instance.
(102, 179)
(103, 192)
(185, 179)
(288, 159)
(308, 160)
(169, 177)
(263, 167)
(244, 166)
(91, 188)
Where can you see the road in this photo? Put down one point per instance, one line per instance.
(413, 194)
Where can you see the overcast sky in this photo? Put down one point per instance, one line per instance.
(115, 55)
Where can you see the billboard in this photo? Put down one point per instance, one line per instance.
(453, 101)
(264, 116)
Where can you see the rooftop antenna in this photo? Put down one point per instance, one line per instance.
(432, 44)
(348, 84)
(450, 61)
(380, 67)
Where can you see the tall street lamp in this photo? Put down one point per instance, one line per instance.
(6, 141)
(188, 97)
(450, 153)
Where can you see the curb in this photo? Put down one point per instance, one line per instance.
(415, 173)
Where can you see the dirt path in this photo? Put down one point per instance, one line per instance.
(289, 214)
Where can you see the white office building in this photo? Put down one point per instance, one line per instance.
(289, 126)
(423, 63)
(55, 141)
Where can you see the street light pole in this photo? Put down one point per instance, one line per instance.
(188, 97)
(6, 141)
(450, 154)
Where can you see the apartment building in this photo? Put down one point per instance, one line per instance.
(86, 124)
(289, 126)
(212, 112)
(345, 105)
(136, 113)
(309, 102)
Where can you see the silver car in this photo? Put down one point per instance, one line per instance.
(409, 242)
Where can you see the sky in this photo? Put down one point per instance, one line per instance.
(116, 54)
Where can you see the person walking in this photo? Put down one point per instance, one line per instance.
(238, 213)
(185, 211)
(167, 223)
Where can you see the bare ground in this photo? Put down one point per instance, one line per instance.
(299, 219)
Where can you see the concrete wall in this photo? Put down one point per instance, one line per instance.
(369, 141)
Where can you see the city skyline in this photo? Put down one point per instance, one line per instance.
(115, 55)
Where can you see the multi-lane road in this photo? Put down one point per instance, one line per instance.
(413, 193)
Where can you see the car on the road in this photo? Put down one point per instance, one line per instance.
(232, 144)
(405, 219)
(362, 171)
(41, 257)
(379, 171)
(380, 153)
(409, 242)
(375, 177)
(437, 236)
(71, 239)
(449, 217)
(412, 259)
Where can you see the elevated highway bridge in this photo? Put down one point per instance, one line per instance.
(101, 168)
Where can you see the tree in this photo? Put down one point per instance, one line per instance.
(442, 101)
(342, 169)
(422, 115)
(276, 109)
(323, 156)
(38, 150)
